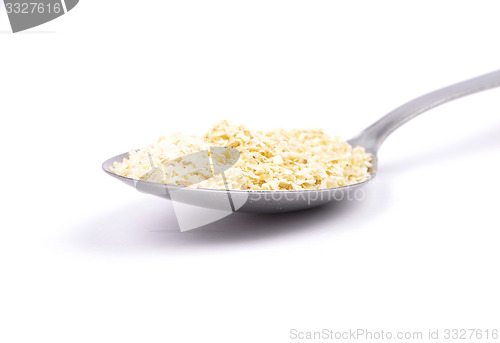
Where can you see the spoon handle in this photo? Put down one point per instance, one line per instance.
(373, 136)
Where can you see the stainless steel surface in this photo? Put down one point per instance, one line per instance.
(283, 201)
(372, 137)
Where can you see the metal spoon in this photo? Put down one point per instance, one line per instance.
(282, 201)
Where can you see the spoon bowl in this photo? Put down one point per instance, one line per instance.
(244, 201)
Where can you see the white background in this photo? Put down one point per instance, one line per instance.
(86, 259)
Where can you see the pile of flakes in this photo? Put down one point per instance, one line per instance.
(275, 160)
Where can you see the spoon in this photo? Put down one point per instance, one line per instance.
(283, 201)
